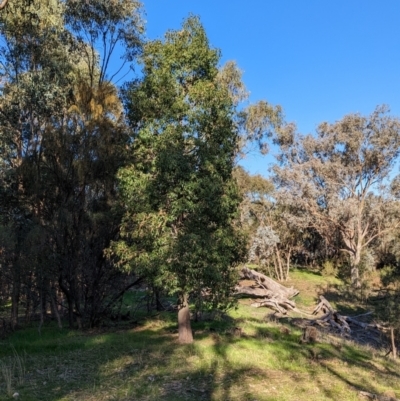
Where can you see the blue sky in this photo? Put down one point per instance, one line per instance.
(318, 59)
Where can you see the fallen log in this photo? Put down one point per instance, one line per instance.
(323, 306)
(348, 326)
(254, 291)
(275, 295)
(267, 283)
(278, 304)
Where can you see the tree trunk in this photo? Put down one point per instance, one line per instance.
(392, 338)
(288, 256)
(279, 259)
(355, 277)
(159, 305)
(15, 304)
(355, 271)
(185, 329)
(53, 299)
(70, 302)
(275, 260)
(354, 249)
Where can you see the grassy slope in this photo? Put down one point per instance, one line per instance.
(266, 362)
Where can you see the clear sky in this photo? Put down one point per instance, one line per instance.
(318, 59)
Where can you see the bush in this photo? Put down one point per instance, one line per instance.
(329, 269)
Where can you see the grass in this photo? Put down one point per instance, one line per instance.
(262, 361)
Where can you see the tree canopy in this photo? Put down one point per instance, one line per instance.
(338, 180)
(179, 196)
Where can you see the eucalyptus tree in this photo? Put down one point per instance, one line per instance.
(179, 195)
(338, 180)
(106, 27)
(272, 236)
(63, 138)
(34, 85)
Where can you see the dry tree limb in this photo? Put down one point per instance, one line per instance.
(253, 291)
(275, 295)
(323, 306)
(268, 283)
(348, 326)
(280, 305)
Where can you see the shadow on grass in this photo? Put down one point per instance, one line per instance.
(346, 364)
(143, 363)
(147, 363)
(346, 300)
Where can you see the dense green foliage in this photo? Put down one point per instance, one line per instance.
(179, 194)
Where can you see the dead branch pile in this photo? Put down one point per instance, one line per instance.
(273, 294)
(354, 327)
(277, 297)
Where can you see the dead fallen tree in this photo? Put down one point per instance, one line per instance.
(324, 317)
(343, 324)
(357, 328)
(273, 294)
(266, 283)
(331, 318)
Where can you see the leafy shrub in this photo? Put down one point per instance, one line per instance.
(329, 269)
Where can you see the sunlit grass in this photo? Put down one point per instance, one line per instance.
(246, 356)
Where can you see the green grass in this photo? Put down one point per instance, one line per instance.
(266, 362)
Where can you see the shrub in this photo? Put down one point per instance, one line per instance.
(329, 269)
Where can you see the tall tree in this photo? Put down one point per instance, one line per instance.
(62, 140)
(179, 196)
(331, 180)
(35, 81)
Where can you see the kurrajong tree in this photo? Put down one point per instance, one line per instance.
(179, 195)
(337, 181)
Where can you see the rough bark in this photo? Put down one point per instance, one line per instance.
(184, 327)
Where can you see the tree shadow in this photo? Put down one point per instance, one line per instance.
(224, 363)
(142, 363)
